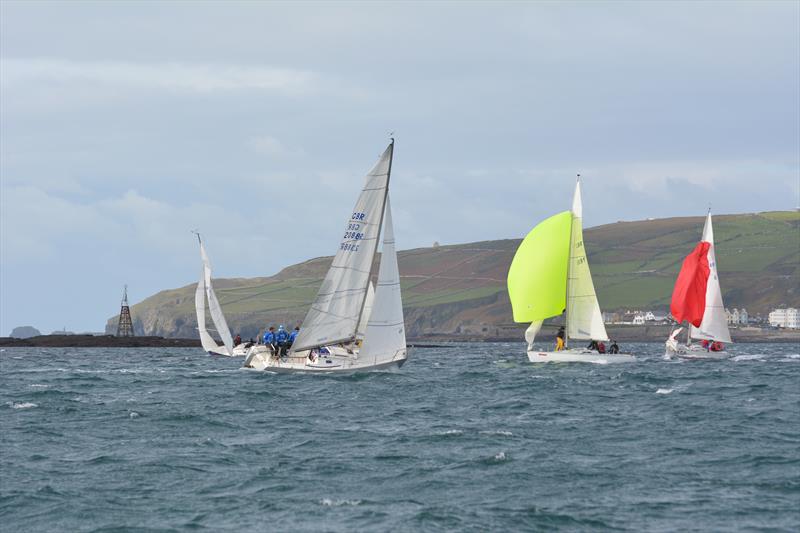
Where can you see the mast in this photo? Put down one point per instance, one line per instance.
(377, 236)
(569, 264)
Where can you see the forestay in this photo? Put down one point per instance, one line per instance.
(335, 314)
(584, 318)
(715, 324)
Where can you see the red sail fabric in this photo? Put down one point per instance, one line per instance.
(689, 296)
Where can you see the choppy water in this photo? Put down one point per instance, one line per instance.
(468, 438)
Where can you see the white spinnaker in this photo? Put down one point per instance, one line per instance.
(200, 307)
(584, 318)
(362, 325)
(337, 308)
(386, 335)
(214, 308)
(532, 331)
(714, 326)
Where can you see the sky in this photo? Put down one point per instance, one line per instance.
(123, 126)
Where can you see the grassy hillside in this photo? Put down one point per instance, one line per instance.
(461, 288)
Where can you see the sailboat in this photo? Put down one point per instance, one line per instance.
(550, 275)
(697, 301)
(352, 325)
(205, 292)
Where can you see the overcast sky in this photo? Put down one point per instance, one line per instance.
(125, 125)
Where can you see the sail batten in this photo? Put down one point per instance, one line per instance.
(338, 307)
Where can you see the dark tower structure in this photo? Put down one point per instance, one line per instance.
(125, 326)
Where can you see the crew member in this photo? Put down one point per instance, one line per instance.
(613, 348)
(237, 340)
(560, 339)
(282, 338)
(269, 339)
(293, 335)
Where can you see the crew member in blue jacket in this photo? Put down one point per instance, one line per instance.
(293, 335)
(269, 338)
(282, 338)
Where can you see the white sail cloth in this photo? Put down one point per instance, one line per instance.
(214, 310)
(714, 326)
(362, 324)
(584, 318)
(385, 335)
(335, 314)
(532, 331)
(200, 307)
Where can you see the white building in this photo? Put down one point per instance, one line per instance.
(785, 318)
(743, 316)
(639, 319)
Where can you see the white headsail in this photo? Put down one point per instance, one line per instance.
(584, 318)
(336, 312)
(386, 335)
(362, 325)
(200, 307)
(213, 306)
(715, 324)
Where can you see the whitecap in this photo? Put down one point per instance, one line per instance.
(39, 386)
(23, 405)
(336, 503)
(134, 414)
(752, 357)
(498, 432)
(501, 456)
(664, 391)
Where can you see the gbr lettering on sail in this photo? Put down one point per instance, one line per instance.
(353, 234)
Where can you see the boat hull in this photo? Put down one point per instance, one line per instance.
(693, 352)
(261, 358)
(579, 356)
(238, 351)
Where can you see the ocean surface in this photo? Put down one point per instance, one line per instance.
(463, 438)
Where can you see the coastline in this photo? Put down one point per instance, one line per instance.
(620, 333)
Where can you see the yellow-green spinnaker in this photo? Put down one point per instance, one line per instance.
(537, 278)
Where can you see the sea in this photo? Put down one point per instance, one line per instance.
(468, 437)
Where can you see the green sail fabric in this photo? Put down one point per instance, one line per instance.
(537, 278)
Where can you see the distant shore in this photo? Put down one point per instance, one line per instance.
(98, 341)
(620, 333)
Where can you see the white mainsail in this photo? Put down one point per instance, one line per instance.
(336, 312)
(213, 306)
(714, 326)
(385, 335)
(584, 318)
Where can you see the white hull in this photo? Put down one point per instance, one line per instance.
(579, 356)
(693, 352)
(262, 358)
(238, 351)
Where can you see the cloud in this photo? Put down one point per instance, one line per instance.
(272, 147)
(165, 76)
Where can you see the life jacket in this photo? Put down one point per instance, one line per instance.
(269, 338)
(601, 347)
(282, 336)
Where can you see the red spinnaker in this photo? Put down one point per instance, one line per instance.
(689, 296)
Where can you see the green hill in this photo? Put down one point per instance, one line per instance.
(461, 288)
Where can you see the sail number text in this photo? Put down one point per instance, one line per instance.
(352, 233)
